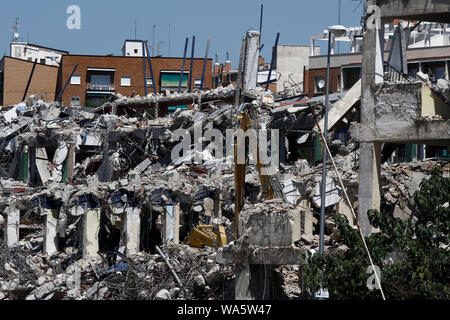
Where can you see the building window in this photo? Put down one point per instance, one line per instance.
(197, 82)
(18, 53)
(149, 82)
(125, 81)
(135, 51)
(42, 61)
(75, 80)
(320, 84)
(75, 101)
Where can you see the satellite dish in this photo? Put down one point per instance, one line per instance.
(321, 84)
(16, 35)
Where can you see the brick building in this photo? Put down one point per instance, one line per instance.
(14, 75)
(98, 77)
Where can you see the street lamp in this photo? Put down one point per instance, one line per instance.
(337, 31)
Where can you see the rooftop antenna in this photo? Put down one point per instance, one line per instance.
(217, 58)
(15, 34)
(159, 46)
(169, 39)
(228, 55)
(261, 25)
(261, 19)
(153, 41)
(339, 23)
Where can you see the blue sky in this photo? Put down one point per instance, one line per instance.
(105, 24)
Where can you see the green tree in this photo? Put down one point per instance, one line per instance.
(413, 256)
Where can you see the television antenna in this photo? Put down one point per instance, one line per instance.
(15, 33)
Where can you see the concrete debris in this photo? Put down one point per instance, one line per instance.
(88, 197)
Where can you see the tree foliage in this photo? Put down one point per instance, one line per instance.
(413, 256)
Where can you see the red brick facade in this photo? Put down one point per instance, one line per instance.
(311, 76)
(124, 67)
(15, 75)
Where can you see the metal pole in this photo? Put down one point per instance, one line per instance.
(170, 266)
(204, 63)
(191, 70)
(261, 20)
(151, 69)
(67, 83)
(145, 69)
(153, 43)
(29, 80)
(324, 154)
(182, 65)
(170, 41)
(272, 64)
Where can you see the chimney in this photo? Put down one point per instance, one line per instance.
(227, 66)
(216, 68)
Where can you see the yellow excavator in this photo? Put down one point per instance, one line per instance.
(214, 236)
(271, 186)
(210, 236)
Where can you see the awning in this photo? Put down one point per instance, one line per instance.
(101, 69)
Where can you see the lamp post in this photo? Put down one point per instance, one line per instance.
(336, 31)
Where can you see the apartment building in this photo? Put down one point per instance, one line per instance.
(99, 77)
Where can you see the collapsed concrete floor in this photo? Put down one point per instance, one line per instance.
(93, 207)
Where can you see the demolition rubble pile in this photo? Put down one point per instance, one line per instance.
(58, 163)
(27, 275)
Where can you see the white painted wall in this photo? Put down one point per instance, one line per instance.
(291, 60)
(132, 49)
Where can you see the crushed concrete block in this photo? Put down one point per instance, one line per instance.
(163, 295)
(174, 292)
(270, 224)
(200, 280)
(214, 275)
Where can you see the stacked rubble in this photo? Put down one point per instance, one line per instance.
(80, 176)
(30, 276)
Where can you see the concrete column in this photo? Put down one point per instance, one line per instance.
(176, 225)
(369, 195)
(252, 57)
(447, 75)
(51, 237)
(91, 229)
(208, 206)
(311, 47)
(308, 224)
(131, 230)
(218, 206)
(12, 225)
(242, 281)
(71, 160)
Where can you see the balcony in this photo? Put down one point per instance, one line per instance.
(101, 87)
